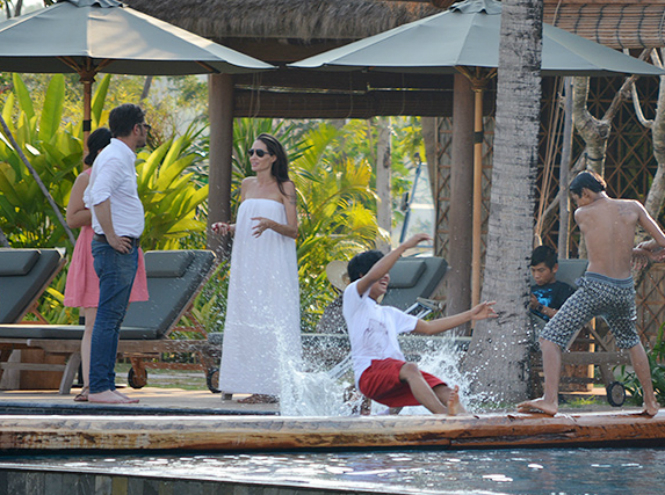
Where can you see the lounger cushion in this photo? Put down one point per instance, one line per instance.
(169, 296)
(164, 264)
(406, 274)
(17, 262)
(65, 332)
(18, 291)
(416, 277)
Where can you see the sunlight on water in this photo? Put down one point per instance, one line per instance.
(467, 472)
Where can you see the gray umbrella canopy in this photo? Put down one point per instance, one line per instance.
(467, 35)
(465, 39)
(104, 36)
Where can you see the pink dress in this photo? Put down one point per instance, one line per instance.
(82, 287)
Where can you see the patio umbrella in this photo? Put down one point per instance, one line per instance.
(91, 36)
(465, 39)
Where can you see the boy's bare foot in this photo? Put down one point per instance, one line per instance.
(650, 406)
(538, 406)
(107, 397)
(454, 405)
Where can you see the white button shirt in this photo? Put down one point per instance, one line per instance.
(114, 177)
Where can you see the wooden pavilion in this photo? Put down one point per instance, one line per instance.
(284, 31)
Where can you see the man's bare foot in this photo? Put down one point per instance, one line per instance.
(107, 397)
(538, 406)
(650, 406)
(125, 397)
(454, 405)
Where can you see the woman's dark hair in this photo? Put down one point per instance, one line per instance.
(587, 180)
(97, 141)
(280, 167)
(361, 263)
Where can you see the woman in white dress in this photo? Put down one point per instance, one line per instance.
(262, 345)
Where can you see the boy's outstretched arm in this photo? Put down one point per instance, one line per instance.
(480, 312)
(383, 266)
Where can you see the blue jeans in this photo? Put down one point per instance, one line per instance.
(116, 272)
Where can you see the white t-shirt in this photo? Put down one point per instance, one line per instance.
(373, 329)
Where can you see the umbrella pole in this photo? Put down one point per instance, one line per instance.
(478, 87)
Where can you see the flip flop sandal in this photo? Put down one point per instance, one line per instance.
(83, 396)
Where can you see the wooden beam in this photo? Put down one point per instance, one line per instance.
(286, 77)
(296, 105)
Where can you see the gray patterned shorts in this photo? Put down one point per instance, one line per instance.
(598, 295)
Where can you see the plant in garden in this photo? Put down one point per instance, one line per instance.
(171, 198)
(656, 358)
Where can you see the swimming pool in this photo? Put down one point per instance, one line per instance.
(601, 471)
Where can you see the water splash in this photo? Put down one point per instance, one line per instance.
(316, 393)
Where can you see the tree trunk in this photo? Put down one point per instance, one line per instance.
(656, 196)
(498, 355)
(383, 166)
(595, 132)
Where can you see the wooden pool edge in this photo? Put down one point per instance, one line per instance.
(261, 433)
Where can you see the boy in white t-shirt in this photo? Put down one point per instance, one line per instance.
(380, 369)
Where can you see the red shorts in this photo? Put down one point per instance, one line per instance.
(380, 382)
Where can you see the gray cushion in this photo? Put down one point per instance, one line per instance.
(66, 332)
(169, 296)
(166, 264)
(406, 273)
(17, 261)
(427, 273)
(17, 292)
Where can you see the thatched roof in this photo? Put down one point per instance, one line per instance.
(302, 20)
(613, 23)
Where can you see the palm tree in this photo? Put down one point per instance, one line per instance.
(499, 351)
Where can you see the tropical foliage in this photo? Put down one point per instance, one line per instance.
(656, 358)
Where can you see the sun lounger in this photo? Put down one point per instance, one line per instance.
(24, 276)
(174, 280)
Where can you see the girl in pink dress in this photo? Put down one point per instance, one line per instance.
(82, 287)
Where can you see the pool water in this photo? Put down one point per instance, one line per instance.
(602, 471)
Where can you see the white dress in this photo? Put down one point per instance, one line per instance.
(262, 346)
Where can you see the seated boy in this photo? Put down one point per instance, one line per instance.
(547, 294)
(379, 366)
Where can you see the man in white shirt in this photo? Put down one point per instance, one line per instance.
(118, 220)
(380, 369)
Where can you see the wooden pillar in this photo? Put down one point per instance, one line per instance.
(461, 195)
(220, 100)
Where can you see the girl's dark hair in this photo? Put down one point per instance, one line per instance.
(361, 263)
(587, 180)
(280, 167)
(97, 141)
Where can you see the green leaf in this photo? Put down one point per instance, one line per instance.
(52, 111)
(24, 101)
(99, 99)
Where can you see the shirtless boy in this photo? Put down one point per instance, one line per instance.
(607, 290)
(380, 369)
